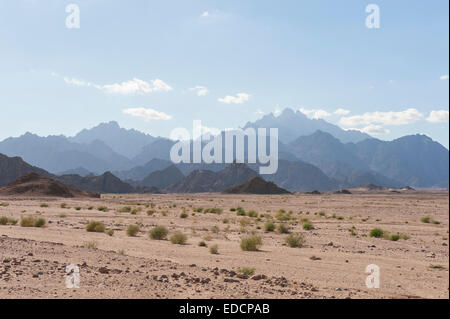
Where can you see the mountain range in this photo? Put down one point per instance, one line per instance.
(314, 154)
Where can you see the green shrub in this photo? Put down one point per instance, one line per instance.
(247, 271)
(184, 215)
(282, 216)
(214, 249)
(43, 205)
(110, 232)
(27, 221)
(252, 243)
(217, 211)
(394, 237)
(97, 227)
(202, 244)
(295, 240)
(377, 233)
(78, 208)
(125, 209)
(282, 229)
(269, 226)
(40, 222)
(103, 209)
(132, 230)
(90, 244)
(252, 213)
(215, 229)
(240, 211)
(308, 226)
(426, 219)
(3, 220)
(4, 204)
(178, 238)
(158, 233)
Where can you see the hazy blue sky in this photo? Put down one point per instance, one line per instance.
(157, 65)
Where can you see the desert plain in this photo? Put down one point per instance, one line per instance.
(331, 263)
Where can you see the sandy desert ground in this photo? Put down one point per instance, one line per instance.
(331, 264)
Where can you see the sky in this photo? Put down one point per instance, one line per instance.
(159, 65)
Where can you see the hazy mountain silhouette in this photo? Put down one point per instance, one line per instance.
(415, 160)
(105, 183)
(293, 124)
(76, 171)
(128, 143)
(35, 185)
(164, 178)
(11, 168)
(256, 185)
(57, 153)
(200, 181)
(301, 176)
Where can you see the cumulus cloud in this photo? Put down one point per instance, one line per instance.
(132, 87)
(385, 118)
(439, 116)
(315, 113)
(147, 114)
(444, 77)
(205, 14)
(238, 99)
(199, 90)
(341, 111)
(375, 130)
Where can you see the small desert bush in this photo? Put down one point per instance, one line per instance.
(308, 226)
(178, 238)
(132, 230)
(377, 233)
(103, 209)
(43, 205)
(63, 205)
(27, 221)
(184, 215)
(252, 214)
(40, 222)
(437, 267)
(215, 229)
(158, 233)
(282, 216)
(110, 232)
(252, 243)
(217, 211)
(214, 249)
(394, 237)
(269, 226)
(426, 219)
(150, 212)
(198, 209)
(240, 211)
(202, 244)
(295, 240)
(97, 227)
(125, 209)
(282, 229)
(247, 271)
(4, 204)
(3, 220)
(90, 244)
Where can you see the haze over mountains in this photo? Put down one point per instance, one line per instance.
(314, 154)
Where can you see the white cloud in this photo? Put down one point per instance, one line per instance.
(147, 114)
(440, 116)
(277, 112)
(444, 77)
(341, 111)
(375, 130)
(205, 14)
(238, 99)
(259, 112)
(134, 86)
(386, 118)
(137, 86)
(315, 114)
(200, 90)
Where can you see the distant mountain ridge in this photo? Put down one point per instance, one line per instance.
(11, 168)
(292, 124)
(313, 154)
